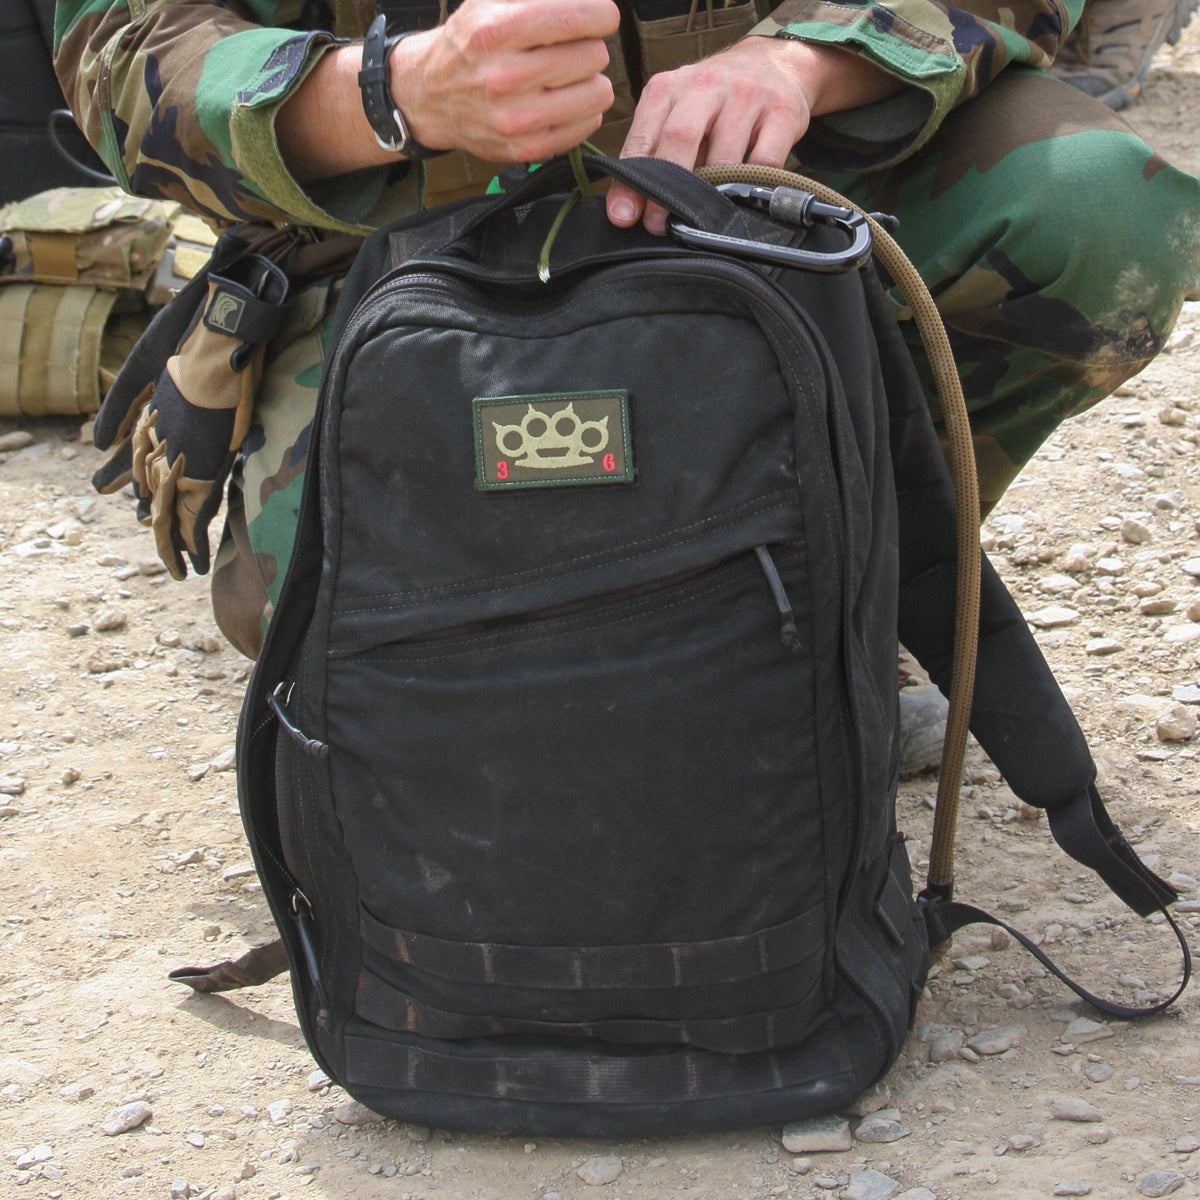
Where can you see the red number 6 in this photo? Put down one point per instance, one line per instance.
(610, 463)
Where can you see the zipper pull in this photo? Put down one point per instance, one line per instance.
(277, 699)
(302, 915)
(787, 620)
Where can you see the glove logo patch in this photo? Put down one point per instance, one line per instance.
(225, 313)
(562, 439)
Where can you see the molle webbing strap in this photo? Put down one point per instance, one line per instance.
(254, 967)
(390, 1008)
(593, 1078)
(586, 968)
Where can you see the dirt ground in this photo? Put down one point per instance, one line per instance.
(122, 856)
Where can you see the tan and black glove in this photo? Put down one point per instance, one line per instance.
(179, 428)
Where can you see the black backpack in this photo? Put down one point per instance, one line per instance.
(569, 761)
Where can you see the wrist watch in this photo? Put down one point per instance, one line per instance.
(387, 121)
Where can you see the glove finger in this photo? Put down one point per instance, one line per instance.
(113, 475)
(164, 520)
(197, 504)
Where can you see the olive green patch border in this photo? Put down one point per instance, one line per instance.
(499, 469)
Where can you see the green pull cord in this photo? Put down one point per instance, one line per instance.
(583, 189)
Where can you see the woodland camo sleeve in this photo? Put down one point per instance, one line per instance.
(946, 54)
(180, 97)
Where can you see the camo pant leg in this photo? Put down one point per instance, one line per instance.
(1059, 249)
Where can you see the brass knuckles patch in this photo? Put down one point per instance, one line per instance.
(557, 440)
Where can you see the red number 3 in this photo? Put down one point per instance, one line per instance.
(502, 470)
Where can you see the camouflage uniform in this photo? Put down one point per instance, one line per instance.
(1058, 245)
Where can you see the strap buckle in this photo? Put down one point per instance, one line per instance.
(791, 207)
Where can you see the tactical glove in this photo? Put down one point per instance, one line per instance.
(180, 427)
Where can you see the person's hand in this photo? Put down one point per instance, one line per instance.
(508, 80)
(750, 103)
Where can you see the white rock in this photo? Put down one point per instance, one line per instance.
(317, 1080)
(1104, 645)
(17, 440)
(354, 1113)
(997, 1041)
(881, 1127)
(1160, 1183)
(1083, 1030)
(39, 1154)
(1191, 566)
(1135, 532)
(278, 1111)
(1072, 1108)
(870, 1185)
(1073, 1187)
(109, 619)
(1177, 724)
(1053, 617)
(604, 1168)
(818, 1135)
(126, 1117)
(1109, 566)
(1182, 635)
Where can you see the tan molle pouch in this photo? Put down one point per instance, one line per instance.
(74, 263)
(666, 43)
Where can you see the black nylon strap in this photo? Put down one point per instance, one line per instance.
(535, 1075)
(378, 1003)
(1087, 833)
(580, 968)
(944, 917)
(254, 967)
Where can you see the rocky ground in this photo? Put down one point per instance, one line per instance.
(121, 857)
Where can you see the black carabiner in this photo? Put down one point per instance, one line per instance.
(792, 207)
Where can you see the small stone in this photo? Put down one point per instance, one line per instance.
(1191, 566)
(188, 857)
(248, 1171)
(1177, 724)
(279, 1110)
(1099, 1072)
(1100, 646)
(604, 1168)
(917, 1193)
(131, 1172)
(1172, 415)
(225, 761)
(354, 1113)
(71, 775)
(77, 629)
(1053, 617)
(1083, 1030)
(1020, 1142)
(169, 638)
(1181, 883)
(1160, 1183)
(17, 440)
(151, 566)
(317, 1080)
(197, 772)
(1186, 693)
(870, 1185)
(818, 1135)
(1157, 606)
(1135, 532)
(12, 785)
(1073, 1187)
(126, 1117)
(1109, 566)
(997, 1041)
(973, 962)
(1097, 1135)
(196, 1139)
(108, 619)
(800, 1166)
(1072, 1108)
(881, 1127)
(39, 1154)
(1182, 635)
(77, 1091)
(240, 871)
(872, 1100)
(212, 932)
(1187, 1144)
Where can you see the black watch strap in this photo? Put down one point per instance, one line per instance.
(386, 120)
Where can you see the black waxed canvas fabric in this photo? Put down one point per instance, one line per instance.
(603, 840)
